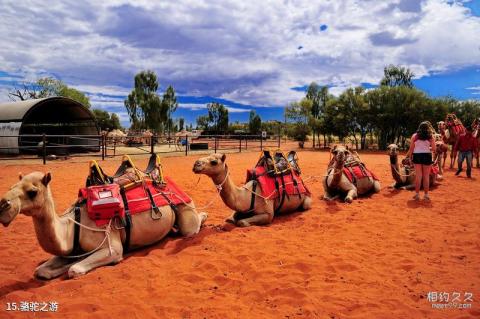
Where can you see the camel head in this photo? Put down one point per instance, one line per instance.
(211, 165)
(340, 153)
(437, 137)
(392, 149)
(26, 197)
(441, 126)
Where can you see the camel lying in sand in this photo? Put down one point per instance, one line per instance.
(239, 198)
(31, 196)
(404, 175)
(336, 181)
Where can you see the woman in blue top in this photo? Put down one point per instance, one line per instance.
(422, 145)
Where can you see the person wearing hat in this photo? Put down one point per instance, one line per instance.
(466, 145)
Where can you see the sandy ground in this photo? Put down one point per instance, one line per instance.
(376, 258)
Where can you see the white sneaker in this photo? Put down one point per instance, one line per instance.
(426, 198)
(416, 197)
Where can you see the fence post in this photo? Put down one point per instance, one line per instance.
(152, 144)
(261, 143)
(279, 138)
(186, 145)
(246, 143)
(215, 143)
(104, 149)
(240, 148)
(114, 147)
(44, 148)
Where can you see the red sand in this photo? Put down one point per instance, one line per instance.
(375, 258)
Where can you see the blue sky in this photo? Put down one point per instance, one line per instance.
(245, 54)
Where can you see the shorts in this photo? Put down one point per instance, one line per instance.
(422, 158)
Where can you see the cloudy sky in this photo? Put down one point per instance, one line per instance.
(246, 54)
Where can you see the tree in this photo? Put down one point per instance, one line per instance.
(181, 123)
(48, 87)
(169, 102)
(202, 122)
(218, 116)
(107, 121)
(143, 105)
(299, 112)
(397, 76)
(254, 123)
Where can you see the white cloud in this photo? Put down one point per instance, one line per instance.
(242, 51)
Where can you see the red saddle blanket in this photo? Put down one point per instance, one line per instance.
(457, 128)
(293, 183)
(358, 172)
(138, 200)
(434, 170)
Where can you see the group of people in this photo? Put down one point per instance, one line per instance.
(422, 147)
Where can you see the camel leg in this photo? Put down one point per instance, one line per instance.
(54, 267)
(260, 219)
(307, 203)
(351, 194)
(376, 186)
(99, 258)
(189, 221)
(477, 155)
(329, 197)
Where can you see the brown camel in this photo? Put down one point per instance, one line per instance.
(337, 181)
(239, 198)
(32, 196)
(404, 174)
(476, 134)
(449, 134)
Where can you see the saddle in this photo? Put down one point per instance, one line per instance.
(455, 124)
(409, 166)
(128, 192)
(278, 176)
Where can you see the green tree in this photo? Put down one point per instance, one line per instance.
(203, 122)
(48, 87)
(170, 104)
(218, 116)
(254, 123)
(181, 123)
(143, 105)
(397, 76)
(106, 121)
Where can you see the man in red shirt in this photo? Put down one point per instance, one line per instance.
(467, 145)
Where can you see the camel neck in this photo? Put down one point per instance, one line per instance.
(227, 189)
(337, 173)
(51, 230)
(395, 168)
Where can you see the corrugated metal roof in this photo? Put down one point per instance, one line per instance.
(14, 111)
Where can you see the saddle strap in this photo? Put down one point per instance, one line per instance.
(128, 220)
(77, 250)
(284, 192)
(254, 188)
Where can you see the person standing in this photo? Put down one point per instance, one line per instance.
(422, 145)
(466, 145)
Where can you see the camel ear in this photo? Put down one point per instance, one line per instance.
(346, 146)
(334, 148)
(46, 179)
(224, 157)
(20, 176)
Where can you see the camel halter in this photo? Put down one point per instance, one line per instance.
(219, 187)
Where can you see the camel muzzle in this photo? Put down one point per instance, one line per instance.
(197, 167)
(4, 205)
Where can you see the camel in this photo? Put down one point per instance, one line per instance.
(337, 181)
(32, 197)
(404, 175)
(449, 135)
(476, 134)
(239, 198)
